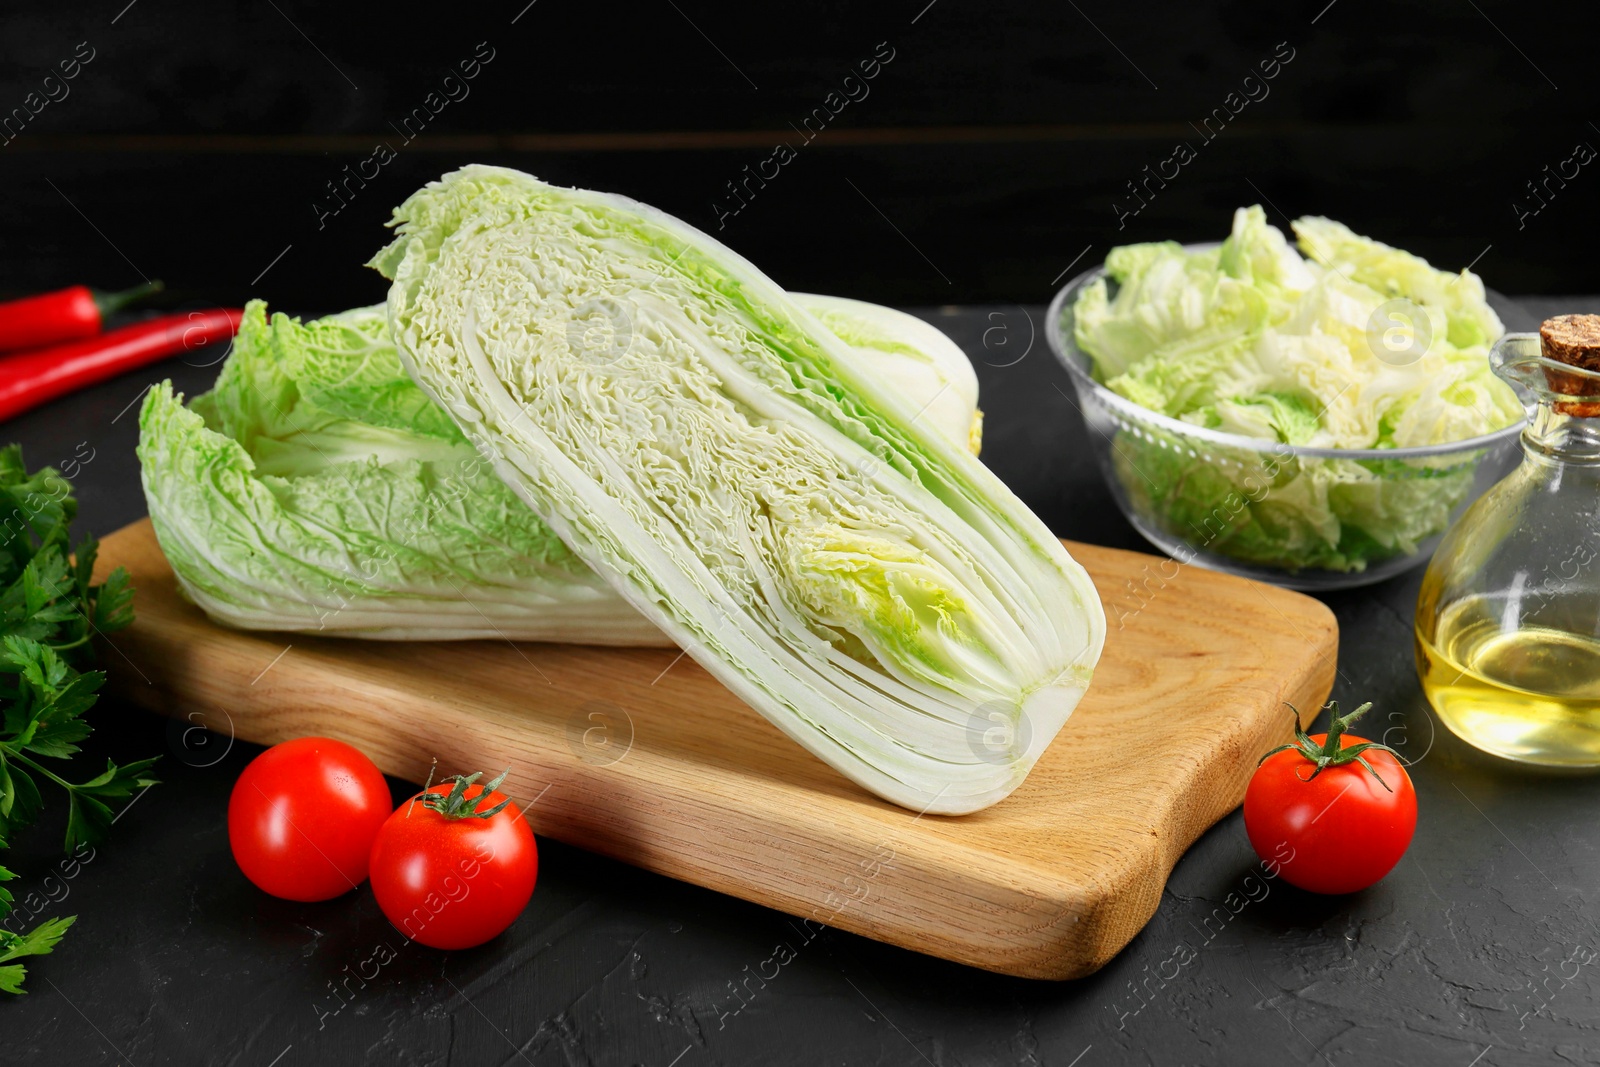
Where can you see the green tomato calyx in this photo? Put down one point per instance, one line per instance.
(456, 805)
(1332, 752)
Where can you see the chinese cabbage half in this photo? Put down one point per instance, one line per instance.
(318, 489)
(708, 446)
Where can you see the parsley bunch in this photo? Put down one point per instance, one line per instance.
(49, 610)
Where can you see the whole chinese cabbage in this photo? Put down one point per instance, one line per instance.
(318, 489)
(713, 450)
(1359, 346)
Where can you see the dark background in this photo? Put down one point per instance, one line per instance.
(985, 163)
(997, 141)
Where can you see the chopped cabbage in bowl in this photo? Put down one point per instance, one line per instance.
(1314, 420)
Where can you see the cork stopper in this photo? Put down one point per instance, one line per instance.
(1575, 341)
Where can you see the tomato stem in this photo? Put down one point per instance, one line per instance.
(1332, 753)
(455, 805)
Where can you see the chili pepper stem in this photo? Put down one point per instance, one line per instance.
(109, 303)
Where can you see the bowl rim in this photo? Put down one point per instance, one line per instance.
(1075, 361)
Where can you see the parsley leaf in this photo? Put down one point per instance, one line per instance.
(50, 609)
(39, 941)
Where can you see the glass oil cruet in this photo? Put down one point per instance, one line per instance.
(1508, 622)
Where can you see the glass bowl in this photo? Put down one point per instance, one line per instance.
(1305, 518)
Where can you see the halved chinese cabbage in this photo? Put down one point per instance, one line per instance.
(786, 515)
(318, 489)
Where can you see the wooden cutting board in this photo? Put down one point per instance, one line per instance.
(639, 754)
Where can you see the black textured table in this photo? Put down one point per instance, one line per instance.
(1472, 953)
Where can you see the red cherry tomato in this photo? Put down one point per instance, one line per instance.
(455, 865)
(1339, 829)
(303, 815)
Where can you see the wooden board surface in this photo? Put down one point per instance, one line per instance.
(639, 754)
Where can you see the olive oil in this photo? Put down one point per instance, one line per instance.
(1529, 693)
(1508, 618)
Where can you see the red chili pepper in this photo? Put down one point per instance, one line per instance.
(64, 315)
(28, 379)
